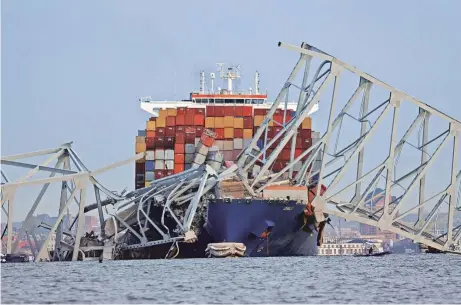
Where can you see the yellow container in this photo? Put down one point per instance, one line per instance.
(147, 183)
(238, 122)
(228, 121)
(163, 113)
(160, 122)
(140, 147)
(140, 139)
(219, 122)
(258, 119)
(171, 112)
(150, 125)
(248, 133)
(307, 123)
(228, 133)
(209, 122)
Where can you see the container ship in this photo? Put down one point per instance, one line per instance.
(182, 135)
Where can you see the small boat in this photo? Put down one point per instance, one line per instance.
(374, 254)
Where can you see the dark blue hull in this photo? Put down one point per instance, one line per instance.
(244, 221)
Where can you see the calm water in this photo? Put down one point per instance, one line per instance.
(420, 278)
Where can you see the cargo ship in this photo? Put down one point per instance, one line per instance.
(171, 144)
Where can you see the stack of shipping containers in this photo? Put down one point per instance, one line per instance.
(170, 140)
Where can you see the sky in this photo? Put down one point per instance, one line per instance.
(73, 71)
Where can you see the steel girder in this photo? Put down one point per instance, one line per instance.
(351, 201)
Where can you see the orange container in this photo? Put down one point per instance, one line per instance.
(179, 148)
(238, 123)
(162, 113)
(189, 120)
(150, 134)
(171, 112)
(228, 133)
(170, 121)
(209, 122)
(180, 120)
(238, 111)
(140, 147)
(219, 133)
(307, 123)
(161, 122)
(150, 125)
(228, 121)
(247, 133)
(178, 168)
(178, 158)
(199, 120)
(258, 119)
(219, 122)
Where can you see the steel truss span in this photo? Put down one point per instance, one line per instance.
(387, 160)
(376, 140)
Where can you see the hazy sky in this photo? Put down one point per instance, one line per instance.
(74, 71)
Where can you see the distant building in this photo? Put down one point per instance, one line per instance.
(336, 246)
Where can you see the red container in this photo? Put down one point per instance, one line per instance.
(259, 111)
(298, 152)
(160, 132)
(159, 174)
(278, 166)
(299, 142)
(219, 133)
(150, 142)
(206, 140)
(190, 111)
(150, 133)
(189, 120)
(179, 147)
(190, 129)
(180, 119)
(178, 168)
(238, 133)
(181, 110)
(178, 158)
(247, 111)
(159, 142)
(235, 153)
(278, 118)
(210, 111)
(306, 133)
(199, 120)
(219, 111)
(170, 131)
(238, 111)
(198, 131)
(180, 138)
(228, 110)
(228, 155)
(277, 129)
(180, 129)
(140, 168)
(306, 142)
(285, 154)
(247, 121)
(170, 121)
(270, 132)
(190, 138)
(169, 142)
(169, 172)
(200, 111)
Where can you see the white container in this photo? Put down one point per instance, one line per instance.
(188, 158)
(169, 154)
(159, 154)
(201, 149)
(169, 164)
(197, 140)
(246, 142)
(228, 145)
(199, 159)
(189, 148)
(220, 144)
(150, 155)
(159, 164)
(238, 143)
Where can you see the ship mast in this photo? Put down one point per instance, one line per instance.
(231, 74)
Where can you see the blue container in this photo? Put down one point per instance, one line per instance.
(260, 144)
(187, 166)
(142, 133)
(150, 176)
(150, 165)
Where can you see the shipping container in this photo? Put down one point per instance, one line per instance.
(202, 149)
(219, 111)
(170, 131)
(199, 159)
(199, 120)
(160, 132)
(260, 112)
(238, 123)
(307, 123)
(169, 164)
(210, 111)
(229, 111)
(187, 166)
(238, 111)
(235, 153)
(179, 158)
(169, 154)
(162, 113)
(219, 133)
(159, 154)
(140, 168)
(207, 140)
(180, 120)
(190, 148)
(248, 133)
(248, 122)
(209, 122)
(228, 155)
(228, 145)
(150, 143)
(305, 133)
(189, 158)
(159, 174)
(140, 139)
(147, 183)
(178, 168)
(228, 121)
(140, 147)
(238, 133)
(238, 144)
(150, 166)
(200, 111)
(228, 133)
(171, 112)
(150, 155)
(306, 143)
(180, 111)
(190, 138)
(179, 148)
(159, 164)
(151, 134)
(150, 175)
(160, 122)
(198, 131)
(169, 142)
(219, 144)
(258, 119)
(170, 121)
(180, 138)
(219, 122)
(246, 142)
(150, 125)
(141, 133)
(247, 111)
(197, 140)
(190, 111)
(189, 120)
